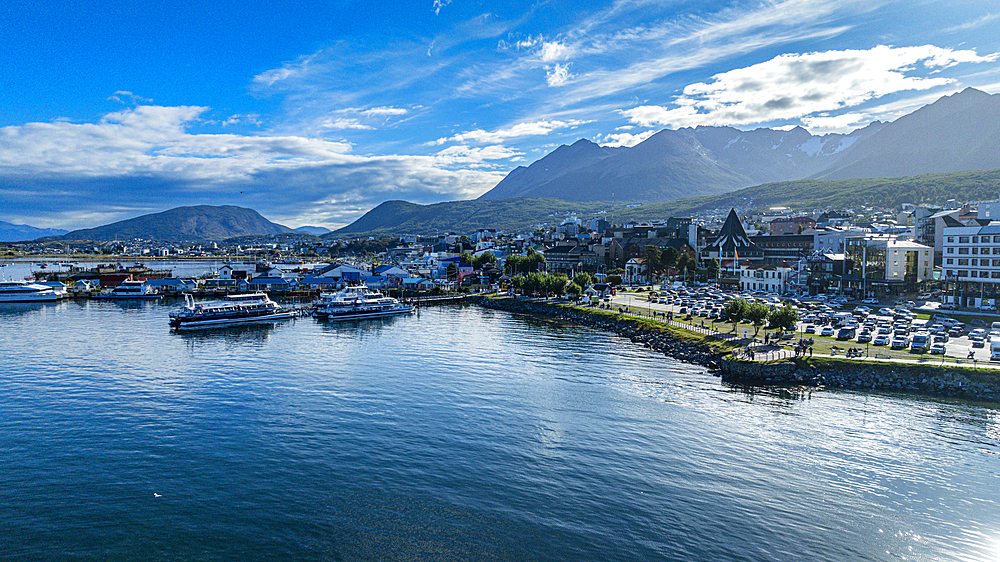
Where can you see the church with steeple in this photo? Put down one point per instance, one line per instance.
(732, 245)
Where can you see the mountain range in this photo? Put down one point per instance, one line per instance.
(957, 132)
(22, 232)
(185, 224)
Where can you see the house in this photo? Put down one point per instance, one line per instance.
(636, 271)
(265, 284)
(172, 286)
(417, 284)
(765, 278)
(342, 272)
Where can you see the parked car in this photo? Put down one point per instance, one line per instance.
(811, 329)
(881, 339)
(900, 342)
(865, 337)
(870, 300)
(826, 331)
(937, 348)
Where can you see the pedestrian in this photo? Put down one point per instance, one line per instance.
(810, 351)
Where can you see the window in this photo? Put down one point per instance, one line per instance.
(949, 261)
(963, 261)
(951, 239)
(996, 250)
(996, 239)
(963, 250)
(974, 240)
(984, 273)
(963, 239)
(975, 250)
(963, 273)
(951, 250)
(995, 274)
(996, 263)
(975, 262)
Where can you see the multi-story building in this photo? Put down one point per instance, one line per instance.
(765, 278)
(784, 248)
(971, 261)
(791, 225)
(885, 265)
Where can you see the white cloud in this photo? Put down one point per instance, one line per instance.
(535, 128)
(626, 139)
(438, 4)
(793, 86)
(124, 96)
(377, 111)
(557, 75)
(344, 123)
(460, 154)
(145, 160)
(552, 51)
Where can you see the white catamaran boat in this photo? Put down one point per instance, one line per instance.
(23, 291)
(234, 310)
(357, 302)
(129, 289)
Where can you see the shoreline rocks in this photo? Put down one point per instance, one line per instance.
(795, 372)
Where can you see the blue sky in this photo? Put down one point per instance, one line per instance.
(313, 113)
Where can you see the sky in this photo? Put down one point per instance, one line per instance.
(312, 113)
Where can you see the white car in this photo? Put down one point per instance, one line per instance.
(870, 300)
(826, 331)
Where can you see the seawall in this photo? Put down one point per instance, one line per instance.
(981, 385)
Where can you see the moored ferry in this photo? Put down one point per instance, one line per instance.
(129, 289)
(234, 310)
(358, 302)
(23, 291)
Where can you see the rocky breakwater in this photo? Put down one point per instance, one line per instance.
(930, 380)
(660, 340)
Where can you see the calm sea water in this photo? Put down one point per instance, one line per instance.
(456, 434)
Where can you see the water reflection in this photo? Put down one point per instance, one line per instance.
(360, 327)
(12, 309)
(253, 335)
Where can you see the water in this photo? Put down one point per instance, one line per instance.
(458, 434)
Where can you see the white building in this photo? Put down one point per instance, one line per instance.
(765, 278)
(971, 261)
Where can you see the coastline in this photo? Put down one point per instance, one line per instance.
(965, 383)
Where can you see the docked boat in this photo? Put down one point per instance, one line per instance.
(358, 302)
(129, 289)
(23, 291)
(234, 310)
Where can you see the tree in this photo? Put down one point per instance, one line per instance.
(574, 289)
(452, 271)
(684, 263)
(668, 258)
(651, 255)
(616, 271)
(555, 284)
(582, 279)
(482, 259)
(614, 280)
(735, 311)
(784, 318)
(713, 268)
(756, 313)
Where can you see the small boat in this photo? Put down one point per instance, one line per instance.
(23, 291)
(129, 289)
(358, 302)
(235, 310)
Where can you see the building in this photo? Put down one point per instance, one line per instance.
(732, 243)
(885, 265)
(791, 225)
(765, 278)
(784, 247)
(971, 261)
(571, 259)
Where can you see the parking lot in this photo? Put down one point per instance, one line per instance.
(893, 321)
